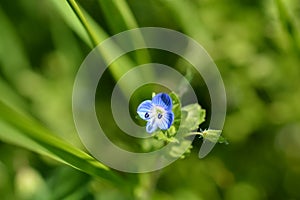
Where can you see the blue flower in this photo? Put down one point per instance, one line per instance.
(158, 112)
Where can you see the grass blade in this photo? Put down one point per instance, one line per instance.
(19, 129)
(117, 68)
(71, 20)
(93, 36)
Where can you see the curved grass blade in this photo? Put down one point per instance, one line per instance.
(71, 20)
(22, 130)
(117, 68)
(92, 35)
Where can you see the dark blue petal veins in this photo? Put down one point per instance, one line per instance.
(144, 109)
(166, 121)
(151, 126)
(158, 112)
(163, 100)
(170, 117)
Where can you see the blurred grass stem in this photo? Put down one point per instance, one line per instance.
(95, 40)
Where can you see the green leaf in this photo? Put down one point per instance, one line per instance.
(211, 135)
(177, 112)
(20, 129)
(176, 150)
(71, 20)
(222, 140)
(193, 115)
(93, 34)
(162, 136)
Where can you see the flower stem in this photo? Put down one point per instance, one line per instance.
(147, 185)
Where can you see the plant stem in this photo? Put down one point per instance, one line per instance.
(147, 185)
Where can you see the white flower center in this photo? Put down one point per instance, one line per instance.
(159, 112)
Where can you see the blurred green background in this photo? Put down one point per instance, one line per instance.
(256, 46)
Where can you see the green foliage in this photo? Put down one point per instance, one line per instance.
(22, 130)
(193, 115)
(213, 136)
(255, 45)
(186, 120)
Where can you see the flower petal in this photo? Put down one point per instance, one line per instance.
(163, 100)
(144, 109)
(166, 121)
(151, 125)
